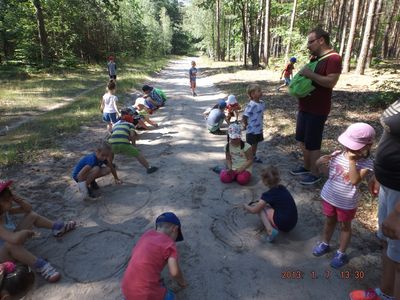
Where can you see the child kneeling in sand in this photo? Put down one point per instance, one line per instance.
(13, 237)
(276, 208)
(155, 249)
(91, 167)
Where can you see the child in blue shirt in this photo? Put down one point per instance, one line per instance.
(253, 117)
(192, 78)
(276, 208)
(91, 167)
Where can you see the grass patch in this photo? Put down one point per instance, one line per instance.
(47, 130)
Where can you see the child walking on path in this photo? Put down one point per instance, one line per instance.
(13, 237)
(253, 117)
(108, 105)
(276, 208)
(112, 68)
(122, 139)
(192, 78)
(239, 158)
(91, 167)
(340, 193)
(155, 249)
(287, 73)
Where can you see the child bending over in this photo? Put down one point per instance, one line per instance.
(233, 108)
(155, 249)
(340, 194)
(91, 167)
(13, 236)
(276, 208)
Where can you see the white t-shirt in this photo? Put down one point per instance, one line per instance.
(110, 103)
(254, 112)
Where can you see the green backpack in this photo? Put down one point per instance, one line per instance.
(301, 86)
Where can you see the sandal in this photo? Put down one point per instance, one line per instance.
(68, 226)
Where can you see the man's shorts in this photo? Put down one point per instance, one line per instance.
(342, 215)
(126, 149)
(309, 129)
(254, 139)
(110, 117)
(388, 199)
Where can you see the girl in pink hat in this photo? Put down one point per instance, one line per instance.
(340, 194)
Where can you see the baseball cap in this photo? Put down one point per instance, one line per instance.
(170, 217)
(234, 131)
(231, 99)
(221, 104)
(357, 136)
(5, 184)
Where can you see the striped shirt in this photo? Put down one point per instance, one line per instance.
(120, 133)
(338, 190)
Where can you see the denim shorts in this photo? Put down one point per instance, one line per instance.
(309, 130)
(287, 80)
(388, 199)
(110, 117)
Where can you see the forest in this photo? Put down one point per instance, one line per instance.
(255, 32)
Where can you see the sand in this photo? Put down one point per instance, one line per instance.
(223, 255)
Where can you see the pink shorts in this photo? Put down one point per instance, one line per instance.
(342, 215)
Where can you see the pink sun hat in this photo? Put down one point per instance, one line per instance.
(357, 136)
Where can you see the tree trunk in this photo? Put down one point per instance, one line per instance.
(374, 33)
(244, 31)
(266, 31)
(44, 46)
(344, 32)
(349, 46)
(394, 37)
(291, 30)
(367, 37)
(389, 25)
(218, 23)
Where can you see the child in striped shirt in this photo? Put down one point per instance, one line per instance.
(340, 194)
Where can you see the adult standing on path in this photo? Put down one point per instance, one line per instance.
(314, 108)
(387, 183)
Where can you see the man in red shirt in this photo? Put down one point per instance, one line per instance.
(314, 108)
(154, 250)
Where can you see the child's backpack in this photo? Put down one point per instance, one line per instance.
(161, 94)
(302, 86)
(241, 145)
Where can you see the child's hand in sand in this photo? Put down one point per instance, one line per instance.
(118, 181)
(24, 235)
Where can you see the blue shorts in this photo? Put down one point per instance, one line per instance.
(287, 80)
(169, 295)
(110, 117)
(388, 199)
(309, 129)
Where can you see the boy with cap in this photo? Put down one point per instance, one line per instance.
(155, 249)
(216, 117)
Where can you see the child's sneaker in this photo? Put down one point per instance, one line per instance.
(94, 185)
(217, 169)
(151, 170)
(49, 273)
(320, 249)
(339, 260)
(83, 188)
(91, 193)
(66, 227)
(273, 235)
(257, 160)
(369, 294)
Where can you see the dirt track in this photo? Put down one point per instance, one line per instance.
(222, 256)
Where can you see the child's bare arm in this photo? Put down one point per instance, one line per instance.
(22, 206)
(244, 122)
(18, 237)
(228, 158)
(323, 164)
(248, 162)
(147, 118)
(112, 168)
(256, 208)
(176, 272)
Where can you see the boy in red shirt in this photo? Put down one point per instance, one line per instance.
(155, 249)
(287, 73)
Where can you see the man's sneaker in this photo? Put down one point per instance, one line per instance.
(83, 188)
(320, 249)
(309, 179)
(257, 160)
(151, 170)
(49, 273)
(369, 294)
(339, 260)
(299, 171)
(94, 185)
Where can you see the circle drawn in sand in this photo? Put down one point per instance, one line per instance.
(236, 230)
(98, 256)
(237, 195)
(122, 203)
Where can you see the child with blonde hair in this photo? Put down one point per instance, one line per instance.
(108, 105)
(13, 236)
(276, 208)
(340, 194)
(253, 117)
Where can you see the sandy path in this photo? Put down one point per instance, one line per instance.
(222, 256)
